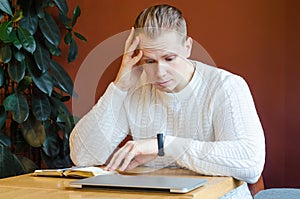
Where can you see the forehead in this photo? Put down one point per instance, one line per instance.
(166, 41)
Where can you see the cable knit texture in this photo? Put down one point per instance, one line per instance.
(210, 127)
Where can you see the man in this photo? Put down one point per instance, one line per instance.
(206, 114)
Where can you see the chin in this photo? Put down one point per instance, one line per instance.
(164, 89)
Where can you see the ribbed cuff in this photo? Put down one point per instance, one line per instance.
(117, 92)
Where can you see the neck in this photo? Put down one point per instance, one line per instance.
(192, 67)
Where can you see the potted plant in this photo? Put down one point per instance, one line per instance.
(35, 123)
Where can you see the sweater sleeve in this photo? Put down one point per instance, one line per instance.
(99, 132)
(239, 146)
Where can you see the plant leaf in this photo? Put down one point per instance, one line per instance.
(3, 116)
(68, 38)
(16, 71)
(59, 108)
(33, 132)
(79, 36)
(24, 84)
(28, 165)
(57, 162)
(44, 82)
(10, 166)
(50, 29)
(19, 56)
(5, 53)
(65, 98)
(5, 7)
(53, 49)
(53, 142)
(52, 145)
(51, 4)
(29, 23)
(39, 8)
(17, 104)
(63, 116)
(2, 76)
(32, 68)
(26, 40)
(4, 139)
(41, 108)
(69, 123)
(73, 51)
(62, 6)
(61, 97)
(64, 19)
(63, 79)
(13, 37)
(76, 14)
(42, 57)
(5, 30)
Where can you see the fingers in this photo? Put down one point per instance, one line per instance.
(133, 154)
(132, 42)
(125, 155)
(128, 159)
(141, 159)
(129, 55)
(129, 39)
(130, 52)
(137, 58)
(134, 163)
(134, 45)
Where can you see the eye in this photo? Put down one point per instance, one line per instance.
(170, 58)
(149, 61)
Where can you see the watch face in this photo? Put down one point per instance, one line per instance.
(160, 144)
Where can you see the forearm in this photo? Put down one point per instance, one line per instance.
(99, 132)
(242, 159)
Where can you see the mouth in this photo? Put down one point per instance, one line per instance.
(163, 83)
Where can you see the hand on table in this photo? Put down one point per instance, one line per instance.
(133, 154)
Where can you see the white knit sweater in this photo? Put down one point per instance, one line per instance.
(210, 127)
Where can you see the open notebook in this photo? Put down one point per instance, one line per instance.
(159, 183)
(76, 172)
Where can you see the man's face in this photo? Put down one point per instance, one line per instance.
(165, 61)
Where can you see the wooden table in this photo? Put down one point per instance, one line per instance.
(31, 187)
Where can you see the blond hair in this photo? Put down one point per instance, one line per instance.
(153, 20)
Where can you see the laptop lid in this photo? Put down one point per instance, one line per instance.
(163, 183)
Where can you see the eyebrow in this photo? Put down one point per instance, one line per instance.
(166, 55)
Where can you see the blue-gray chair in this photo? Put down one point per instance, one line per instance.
(278, 193)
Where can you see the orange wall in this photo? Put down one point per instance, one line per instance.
(257, 39)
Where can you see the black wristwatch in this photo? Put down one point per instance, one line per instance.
(160, 144)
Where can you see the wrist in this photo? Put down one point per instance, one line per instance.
(121, 85)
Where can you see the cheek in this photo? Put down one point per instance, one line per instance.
(175, 67)
(149, 71)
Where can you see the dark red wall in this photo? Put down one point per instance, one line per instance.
(257, 39)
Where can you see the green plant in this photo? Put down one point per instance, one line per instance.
(33, 86)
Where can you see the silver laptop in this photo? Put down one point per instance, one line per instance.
(156, 183)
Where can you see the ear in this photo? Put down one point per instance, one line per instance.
(188, 44)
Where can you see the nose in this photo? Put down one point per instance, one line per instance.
(160, 70)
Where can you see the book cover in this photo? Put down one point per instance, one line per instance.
(74, 172)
